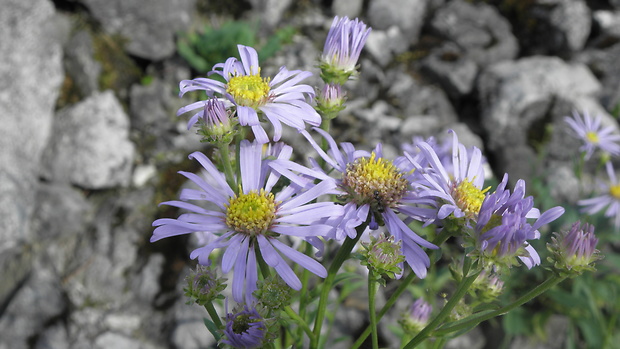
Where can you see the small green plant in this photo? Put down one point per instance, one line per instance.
(203, 49)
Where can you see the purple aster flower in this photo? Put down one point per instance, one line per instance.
(373, 189)
(458, 192)
(575, 250)
(609, 200)
(343, 46)
(280, 100)
(251, 219)
(245, 329)
(502, 229)
(593, 134)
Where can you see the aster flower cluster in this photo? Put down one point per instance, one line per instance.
(275, 226)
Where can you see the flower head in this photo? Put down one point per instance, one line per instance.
(343, 46)
(457, 193)
(280, 100)
(417, 317)
(372, 190)
(502, 228)
(610, 199)
(574, 250)
(245, 329)
(383, 255)
(249, 222)
(593, 134)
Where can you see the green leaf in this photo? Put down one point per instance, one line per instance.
(212, 328)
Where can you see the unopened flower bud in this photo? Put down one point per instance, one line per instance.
(383, 256)
(342, 49)
(417, 317)
(330, 101)
(215, 123)
(574, 251)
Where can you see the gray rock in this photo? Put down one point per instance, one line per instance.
(478, 29)
(604, 63)
(451, 69)
(80, 64)
(53, 337)
(31, 68)
(90, 146)
(556, 330)
(426, 108)
(384, 45)
(60, 220)
(515, 99)
(36, 303)
(119, 341)
(149, 26)
(608, 25)
(407, 15)
(349, 8)
(555, 27)
(270, 12)
(149, 106)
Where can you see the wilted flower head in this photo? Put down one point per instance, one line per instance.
(417, 317)
(593, 134)
(383, 255)
(245, 329)
(203, 285)
(502, 228)
(249, 219)
(574, 250)
(609, 200)
(343, 46)
(280, 100)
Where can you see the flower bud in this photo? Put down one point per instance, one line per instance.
(383, 256)
(245, 329)
(574, 251)
(417, 317)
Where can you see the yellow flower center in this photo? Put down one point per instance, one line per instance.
(592, 137)
(374, 181)
(614, 190)
(468, 197)
(251, 213)
(249, 90)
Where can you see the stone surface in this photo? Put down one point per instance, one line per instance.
(384, 45)
(349, 8)
(270, 12)
(604, 63)
(90, 146)
(149, 26)
(31, 72)
(477, 29)
(452, 69)
(407, 15)
(516, 96)
(80, 64)
(36, 303)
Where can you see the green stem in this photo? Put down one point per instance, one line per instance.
(478, 318)
(300, 321)
(447, 309)
(341, 256)
(372, 292)
(440, 239)
(214, 317)
(226, 162)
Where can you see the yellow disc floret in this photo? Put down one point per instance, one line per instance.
(592, 137)
(468, 197)
(614, 191)
(249, 90)
(251, 213)
(374, 181)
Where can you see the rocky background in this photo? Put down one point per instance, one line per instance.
(89, 140)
